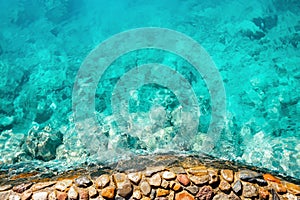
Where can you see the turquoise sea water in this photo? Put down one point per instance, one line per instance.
(140, 99)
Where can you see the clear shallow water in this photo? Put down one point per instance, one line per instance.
(255, 47)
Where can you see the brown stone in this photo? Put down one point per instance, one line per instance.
(137, 194)
(271, 178)
(178, 170)
(119, 178)
(224, 186)
(27, 195)
(155, 180)
(83, 194)
(42, 185)
(62, 196)
(93, 192)
(227, 175)
(102, 181)
(168, 175)
(183, 179)
(72, 194)
(164, 184)
(125, 189)
(162, 192)
(184, 196)
(108, 192)
(135, 177)
(83, 182)
(213, 176)
(63, 185)
(249, 190)
(5, 187)
(5, 194)
(171, 195)
(221, 196)
(199, 180)
(152, 170)
(292, 188)
(176, 187)
(263, 193)
(279, 187)
(40, 196)
(145, 188)
(198, 171)
(14, 197)
(21, 188)
(233, 196)
(205, 193)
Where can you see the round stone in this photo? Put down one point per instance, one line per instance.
(155, 180)
(183, 179)
(40, 196)
(145, 188)
(249, 190)
(135, 177)
(168, 175)
(83, 181)
(125, 190)
(227, 175)
(184, 196)
(72, 194)
(108, 192)
(102, 181)
(224, 186)
(205, 193)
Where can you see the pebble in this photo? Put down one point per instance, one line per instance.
(5, 187)
(271, 178)
(145, 188)
(280, 188)
(227, 175)
(250, 176)
(274, 195)
(184, 196)
(249, 190)
(83, 194)
(164, 184)
(192, 189)
(233, 196)
(292, 188)
(152, 170)
(155, 180)
(102, 181)
(14, 197)
(93, 192)
(263, 193)
(108, 192)
(53, 196)
(183, 179)
(72, 194)
(63, 185)
(221, 196)
(237, 187)
(21, 188)
(137, 194)
(205, 193)
(199, 180)
(40, 196)
(168, 175)
(125, 189)
(135, 177)
(162, 192)
(26, 195)
(176, 187)
(62, 196)
(42, 185)
(178, 170)
(119, 179)
(171, 195)
(213, 176)
(224, 186)
(152, 194)
(83, 181)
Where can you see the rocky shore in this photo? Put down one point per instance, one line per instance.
(168, 178)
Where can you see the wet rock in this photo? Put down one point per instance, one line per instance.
(108, 192)
(72, 194)
(42, 185)
(249, 190)
(205, 193)
(152, 170)
(237, 187)
(164, 184)
(192, 189)
(263, 193)
(5, 187)
(250, 176)
(233, 196)
(198, 171)
(83, 182)
(27, 195)
(42, 145)
(221, 196)
(155, 180)
(83, 194)
(21, 188)
(102, 181)
(14, 197)
(274, 195)
(145, 188)
(292, 188)
(125, 189)
(63, 185)
(183, 179)
(93, 192)
(62, 196)
(184, 196)
(199, 180)
(224, 186)
(135, 177)
(162, 192)
(168, 175)
(227, 175)
(40, 196)
(271, 178)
